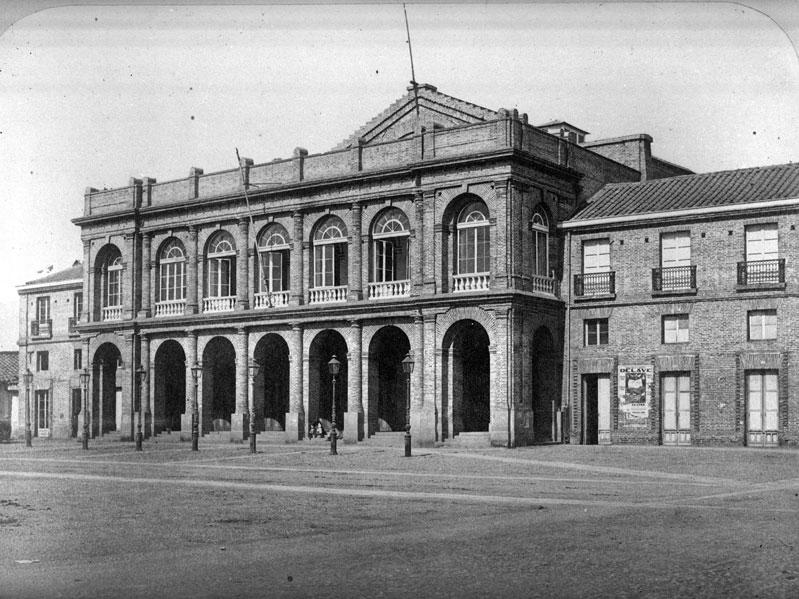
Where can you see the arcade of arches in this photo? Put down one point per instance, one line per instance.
(462, 382)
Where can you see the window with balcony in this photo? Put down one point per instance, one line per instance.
(272, 286)
(330, 262)
(42, 325)
(474, 248)
(390, 243)
(762, 325)
(596, 278)
(541, 275)
(220, 262)
(676, 273)
(171, 279)
(595, 331)
(763, 265)
(675, 328)
(77, 309)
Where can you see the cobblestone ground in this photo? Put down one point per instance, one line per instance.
(294, 521)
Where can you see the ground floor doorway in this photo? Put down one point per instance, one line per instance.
(762, 408)
(596, 409)
(676, 397)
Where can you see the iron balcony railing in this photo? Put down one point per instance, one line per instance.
(761, 272)
(674, 278)
(595, 283)
(42, 328)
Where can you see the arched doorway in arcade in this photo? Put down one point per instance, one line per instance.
(219, 385)
(325, 345)
(169, 378)
(106, 390)
(388, 390)
(466, 403)
(271, 387)
(545, 387)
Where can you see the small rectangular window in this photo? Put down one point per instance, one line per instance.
(595, 331)
(42, 361)
(762, 324)
(77, 305)
(675, 328)
(77, 359)
(42, 309)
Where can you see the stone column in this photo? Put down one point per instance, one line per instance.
(191, 278)
(431, 377)
(353, 417)
(295, 418)
(432, 242)
(355, 284)
(125, 378)
(297, 279)
(503, 409)
(417, 249)
(239, 421)
(88, 300)
(129, 277)
(242, 264)
(499, 236)
(191, 359)
(146, 276)
(423, 417)
(146, 387)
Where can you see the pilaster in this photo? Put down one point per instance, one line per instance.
(129, 277)
(239, 420)
(146, 407)
(88, 300)
(353, 417)
(191, 390)
(356, 252)
(191, 279)
(295, 418)
(146, 276)
(242, 264)
(297, 278)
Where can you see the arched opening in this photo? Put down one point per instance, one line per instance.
(106, 392)
(388, 390)
(390, 272)
(108, 267)
(272, 275)
(271, 393)
(170, 387)
(219, 385)
(539, 226)
(466, 380)
(545, 387)
(329, 266)
(171, 289)
(220, 273)
(325, 345)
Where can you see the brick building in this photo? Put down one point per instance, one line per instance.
(51, 349)
(9, 392)
(429, 233)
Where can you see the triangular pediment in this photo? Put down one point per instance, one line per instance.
(436, 111)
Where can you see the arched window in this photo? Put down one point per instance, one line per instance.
(273, 251)
(113, 282)
(221, 261)
(540, 229)
(171, 272)
(474, 250)
(390, 236)
(330, 253)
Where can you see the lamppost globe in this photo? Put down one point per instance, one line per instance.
(333, 366)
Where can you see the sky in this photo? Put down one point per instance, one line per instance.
(94, 95)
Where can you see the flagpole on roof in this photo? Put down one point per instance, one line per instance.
(413, 74)
(264, 282)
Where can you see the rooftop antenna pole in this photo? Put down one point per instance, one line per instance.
(264, 281)
(413, 74)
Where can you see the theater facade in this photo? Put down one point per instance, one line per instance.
(462, 239)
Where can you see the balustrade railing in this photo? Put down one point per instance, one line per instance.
(328, 295)
(170, 308)
(595, 283)
(761, 272)
(72, 325)
(219, 304)
(544, 284)
(389, 289)
(42, 328)
(674, 278)
(276, 299)
(112, 313)
(478, 281)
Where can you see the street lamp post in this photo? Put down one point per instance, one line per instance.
(84, 382)
(255, 367)
(28, 376)
(195, 411)
(333, 366)
(141, 374)
(407, 368)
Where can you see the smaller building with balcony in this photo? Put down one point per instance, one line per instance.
(50, 349)
(682, 307)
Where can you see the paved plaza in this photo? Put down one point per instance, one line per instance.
(294, 521)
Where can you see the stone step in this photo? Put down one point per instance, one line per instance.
(480, 439)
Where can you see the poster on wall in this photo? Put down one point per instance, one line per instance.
(635, 395)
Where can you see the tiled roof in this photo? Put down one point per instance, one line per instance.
(706, 190)
(68, 274)
(9, 366)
